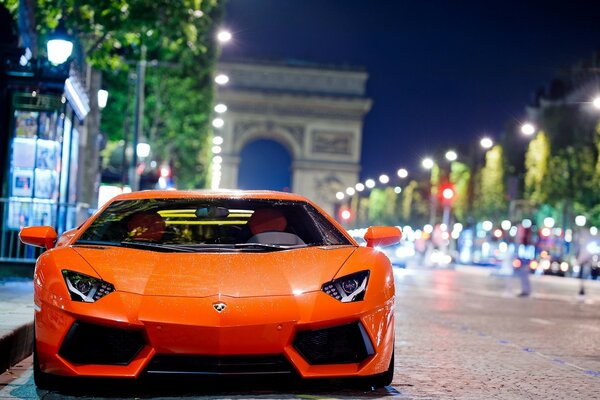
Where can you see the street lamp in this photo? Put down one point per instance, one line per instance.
(59, 46)
(218, 122)
(527, 129)
(384, 179)
(402, 173)
(350, 191)
(596, 102)
(102, 98)
(221, 79)
(451, 155)
(224, 36)
(143, 150)
(218, 140)
(339, 195)
(486, 142)
(370, 183)
(359, 187)
(220, 108)
(427, 163)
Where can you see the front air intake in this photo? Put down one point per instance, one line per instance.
(96, 344)
(343, 344)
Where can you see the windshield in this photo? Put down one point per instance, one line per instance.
(217, 224)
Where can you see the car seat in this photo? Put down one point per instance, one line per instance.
(146, 226)
(268, 226)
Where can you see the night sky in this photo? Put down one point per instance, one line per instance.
(441, 72)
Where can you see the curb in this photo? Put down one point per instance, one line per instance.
(16, 345)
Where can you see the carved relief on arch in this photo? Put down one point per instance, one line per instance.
(289, 135)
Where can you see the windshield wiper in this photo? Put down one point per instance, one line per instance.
(154, 246)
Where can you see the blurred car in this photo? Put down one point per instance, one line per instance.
(399, 254)
(212, 283)
(554, 265)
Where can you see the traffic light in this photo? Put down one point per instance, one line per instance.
(448, 194)
(345, 214)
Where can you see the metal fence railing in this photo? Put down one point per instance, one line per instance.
(17, 213)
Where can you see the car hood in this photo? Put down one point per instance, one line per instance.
(242, 274)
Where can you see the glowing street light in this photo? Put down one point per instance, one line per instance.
(102, 98)
(596, 102)
(143, 150)
(359, 187)
(220, 108)
(224, 36)
(218, 122)
(402, 173)
(427, 163)
(350, 191)
(216, 149)
(218, 140)
(370, 183)
(397, 190)
(451, 155)
(59, 46)
(221, 79)
(580, 220)
(527, 129)
(384, 179)
(486, 142)
(339, 195)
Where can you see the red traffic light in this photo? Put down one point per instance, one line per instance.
(447, 194)
(345, 214)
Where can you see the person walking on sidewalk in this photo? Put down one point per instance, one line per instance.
(522, 242)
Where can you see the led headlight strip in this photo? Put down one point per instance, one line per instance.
(86, 288)
(348, 288)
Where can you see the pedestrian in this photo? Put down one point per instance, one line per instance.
(522, 242)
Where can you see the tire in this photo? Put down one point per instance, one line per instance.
(385, 378)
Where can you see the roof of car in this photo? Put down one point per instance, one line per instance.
(203, 194)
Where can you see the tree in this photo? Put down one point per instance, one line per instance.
(460, 177)
(490, 201)
(382, 207)
(178, 39)
(414, 205)
(536, 164)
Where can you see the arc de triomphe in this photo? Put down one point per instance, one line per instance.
(316, 113)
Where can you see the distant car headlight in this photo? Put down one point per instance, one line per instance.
(348, 288)
(86, 288)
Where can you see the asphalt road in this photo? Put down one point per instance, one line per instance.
(460, 334)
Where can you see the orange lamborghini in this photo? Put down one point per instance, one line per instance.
(212, 283)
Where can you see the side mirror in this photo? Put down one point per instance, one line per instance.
(382, 235)
(40, 236)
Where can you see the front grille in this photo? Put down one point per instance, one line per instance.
(212, 365)
(343, 344)
(96, 344)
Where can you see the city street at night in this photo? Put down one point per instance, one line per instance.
(460, 333)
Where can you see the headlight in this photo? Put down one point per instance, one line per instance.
(348, 288)
(86, 288)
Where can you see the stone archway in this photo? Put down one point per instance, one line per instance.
(315, 113)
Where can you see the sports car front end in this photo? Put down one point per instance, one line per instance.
(126, 310)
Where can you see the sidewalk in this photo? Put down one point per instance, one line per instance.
(16, 320)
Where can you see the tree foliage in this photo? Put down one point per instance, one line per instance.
(178, 38)
(490, 201)
(382, 207)
(536, 164)
(460, 177)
